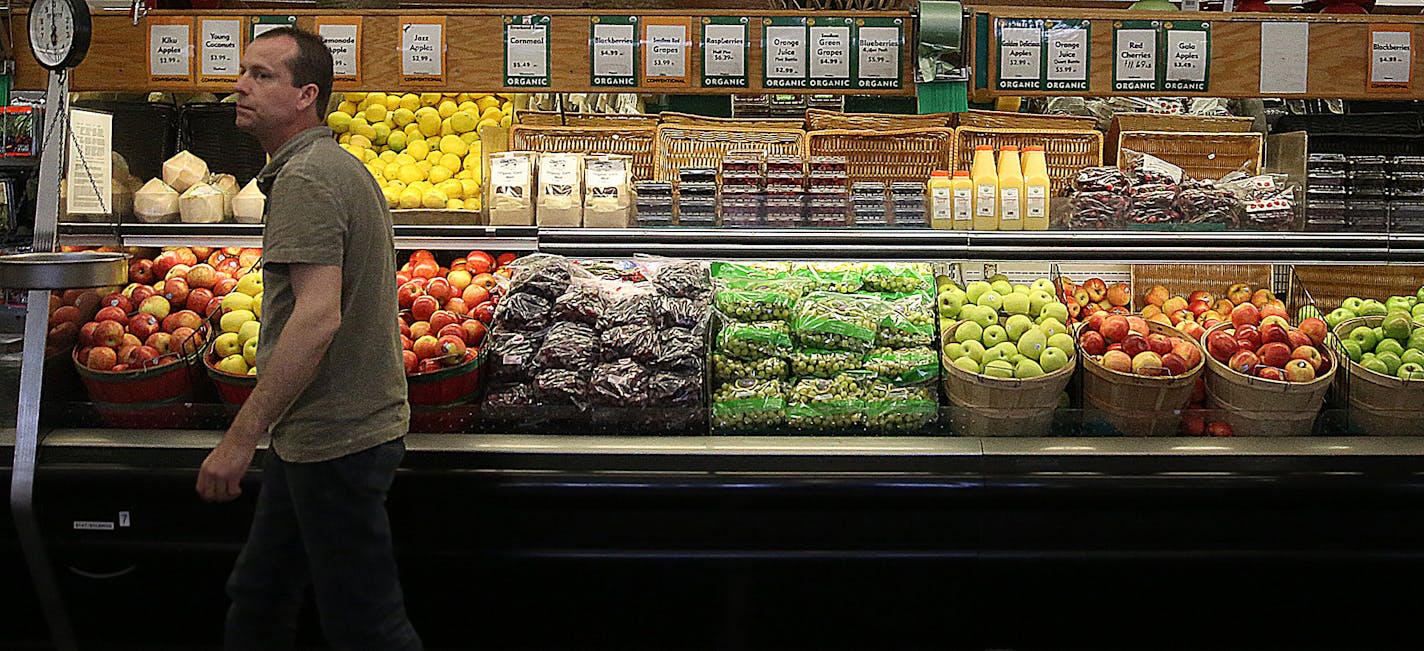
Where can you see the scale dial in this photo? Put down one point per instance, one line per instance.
(59, 32)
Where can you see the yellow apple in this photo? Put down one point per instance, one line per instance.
(227, 344)
(248, 331)
(233, 364)
(232, 321)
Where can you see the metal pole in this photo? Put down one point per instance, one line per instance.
(22, 477)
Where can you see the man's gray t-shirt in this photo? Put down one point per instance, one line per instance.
(323, 208)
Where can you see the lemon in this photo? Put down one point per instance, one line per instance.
(469, 188)
(354, 97)
(472, 164)
(506, 122)
(434, 142)
(447, 108)
(470, 107)
(429, 99)
(487, 102)
(382, 132)
(371, 155)
(339, 121)
(391, 172)
(418, 149)
(376, 98)
(452, 144)
(344, 138)
(434, 157)
(392, 196)
(452, 189)
(389, 156)
(438, 174)
(402, 116)
(421, 186)
(473, 203)
(348, 108)
(484, 121)
(376, 113)
(425, 166)
(410, 198)
(446, 128)
(429, 123)
(360, 113)
(463, 121)
(408, 174)
(405, 159)
(412, 132)
(392, 102)
(454, 204)
(434, 198)
(396, 143)
(410, 101)
(395, 183)
(492, 114)
(471, 138)
(450, 162)
(462, 174)
(361, 142)
(507, 108)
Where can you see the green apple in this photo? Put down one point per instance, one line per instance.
(1365, 336)
(1016, 359)
(968, 364)
(968, 331)
(1366, 357)
(994, 335)
(946, 324)
(1412, 356)
(1352, 304)
(953, 350)
(1379, 333)
(1046, 285)
(1390, 346)
(1032, 343)
(1416, 339)
(997, 277)
(1016, 303)
(1037, 299)
(1397, 303)
(1398, 325)
(233, 364)
(974, 350)
(249, 352)
(227, 345)
(942, 282)
(1417, 311)
(1373, 308)
(1056, 311)
(1001, 285)
(1410, 371)
(1391, 361)
(1052, 326)
(1017, 325)
(1008, 348)
(1352, 349)
(1419, 295)
(984, 316)
(950, 302)
(1062, 342)
(1307, 312)
(1337, 316)
(974, 290)
(1052, 359)
(1000, 369)
(1022, 289)
(1030, 369)
(991, 299)
(1376, 366)
(992, 355)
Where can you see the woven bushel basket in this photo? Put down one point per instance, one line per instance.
(1256, 406)
(988, 406)
(1379, 404)
(1138, 405)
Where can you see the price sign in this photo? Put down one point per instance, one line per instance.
(1391, 58)
(423, 50)
(1285, 49)
(724, 52)
(262, 24)
(1188, 56)
(526, 51)
(1069, 53)
(878, 42)
(343, 37)
(613, 51)
(784, 52)
(830, 44)
(170, 50)
(90, 186)
(219, 49)
(1135, 60)
(666, 51)
(1020, 51)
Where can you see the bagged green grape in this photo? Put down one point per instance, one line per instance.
(754, 341)
(746, 405)
(891, 409)
(728, 369)
(793, 287)
(810, 362)
(899, 277)
(909, 321)
(833, 321)
(842, 277)
(750, 269)
(752, 305)
(903, 366)
(827, 403)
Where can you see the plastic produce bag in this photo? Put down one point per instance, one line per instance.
(907, 366)
(1206, 203)
(545, 275)
(843, 277)
(512, 395)
(582, 303)
(748, 405)
(634, 308)
(909, 321)
(572, 346)
(755, 305)
(891, 409)
(898, 277)
(680, 349)
(522, 313)
(824, 363)
(557, 386)
(1099, 211)
(679, 278)
(621, 383)
(636, 342)
(826, 403)
(690, 313)
(728, 369)
(754, 341)
(672, 389)
(831, 321)
(514, 353)
(763, 270)
(1271, 201)
(1154, 203)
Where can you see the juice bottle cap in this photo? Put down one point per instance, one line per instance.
(963, 173)
(1008, 148)
(984, 148)
(1033, 148)
(937, 173)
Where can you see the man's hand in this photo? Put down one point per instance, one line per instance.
(220, 478)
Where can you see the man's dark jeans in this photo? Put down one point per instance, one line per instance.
(324, 525)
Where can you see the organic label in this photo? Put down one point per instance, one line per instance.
(784, 50)
(1135, 56)
(986, 200)
(724, 52)
(1188, 56)
(614, 45)
(526, 51)
(963, 207)
(1069, 48)
(1009, 204)
(942, 204)
(830, 53)
(1035, 201)
(1020, 54)
(263, 24)
(878, 42)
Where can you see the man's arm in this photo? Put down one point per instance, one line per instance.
(291, 365)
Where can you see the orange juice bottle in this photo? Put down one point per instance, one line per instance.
(1011, 184)
(941, 200)
(1036, 184)
(963, 185)
(986, 189)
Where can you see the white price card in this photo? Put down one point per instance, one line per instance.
(666, 51)
(90, 186)
(724, 51)
(423, 51)
(170, 49)
(613, 50)
(785, 52)
(1021, 53)
(221, 51)
(1186, 55)
(830, 53)
(526, 51)
(1068, 56)
(1285, 50)
(1391, 58)
(343, 37)
(1135, 59)
(879, 49)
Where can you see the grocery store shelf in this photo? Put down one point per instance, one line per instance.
(764, 243)
(501, 238)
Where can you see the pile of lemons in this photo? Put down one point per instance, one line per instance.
(424, 149)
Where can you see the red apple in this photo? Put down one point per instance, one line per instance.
(1115, 328)
(1138, 324)
(1200, 295)
(178, 271)
(1174, 364)
(411, 362)
(1135, 344)
(1274, 333)
(1278, 320)
(214, 306)
(406, 343)
(1270, 373)
(224, 286)
(1298, 339)
(112, 313)
(475, 332)
(1119, 294)
(87, 302)
(1309, 354)
(1194, 330)
(441, 318)
(419, 329)
(130, 340)
(1245, 314)
(505, 258)
(1274, 354)
(407, 293)
(1160, 318)
(1239, 293)
(452, 349)
(1113, 347)
(1147, 363)
(142, 325)
(1089, 309)
(186, 255)
(429, 365)
(186, 340)
(1193, 425)
(1173, 304)
(1316, 329)
(1198, 308)
(124, 303)
(119, 368)
(101, 358)
(62, 336)
(426, 347)
(1198, 392)
(86, 333)
(160, 341)
(404, 327)
(1151, 310)
(1222, 306)
(141, 271)
(1274, 310)
(66, 314)
(202, 275)
(479, 262)
(1249, 337)
(1117, 360)
(1188, 352)
(440, 289)
(203, 252)
(458, 306)
(198, 300)
(451, 329)
(1244, 361)
(484, 312)
(1261, 297)
(126, 353)
(485, 280)
(1159, 343)
(109, 333)
(1219, 428)
(424, 306)
(158, 306)
(1074, 310)
(176, 291)
(1091, 341)
(1158, 295)
(1095, 320)
(143, 356)
(163, 263)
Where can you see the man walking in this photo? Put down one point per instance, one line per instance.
(331, 392)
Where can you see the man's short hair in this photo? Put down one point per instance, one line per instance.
(311, 65)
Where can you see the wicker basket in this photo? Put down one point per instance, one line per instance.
(1176, 123)
(817, 119)
(1068, 152)
(686, 146)
(888, 156)
(1379, 404)
(690, 120)
(1183, 279)
(539, 118)
(637, 142)
(1332, 284)
(1138, 405)
(1256, 406)
(1202, 155)
(987, 406)
(610, 120)
(1011, 120)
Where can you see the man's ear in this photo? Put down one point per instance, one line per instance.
(308, 97)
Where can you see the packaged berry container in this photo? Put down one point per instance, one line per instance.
(653, 189)
(1328, 163)
(742, 211)
(1368, 214)
(1409, 184)
(1407, 215)
(1370, 163)
(1412, 164)
(697, 174)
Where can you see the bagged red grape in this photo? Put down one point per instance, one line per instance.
(674, 389)
(1101, 179)
(512, 395)
(583, 303)
(546, 276)
(1207, 204)
(680, 349)
(572, 346)
(1153, 204)
(1099, 211)
(558, 386)
(629, 309)
(680, 279)
(632, 341)
(513, 353)
(680, 312)
(621, 383)
(522, 312)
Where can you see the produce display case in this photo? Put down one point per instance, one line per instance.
(845, 531)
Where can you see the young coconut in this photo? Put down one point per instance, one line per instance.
(249, 204)
(156, 203)
(184, 170)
